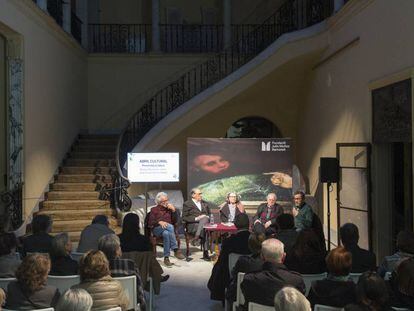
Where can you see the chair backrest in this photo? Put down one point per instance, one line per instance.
(309, 278)
(76, 256)
(394, 308)
(46, 309)
(387, 276)
(18, 256)
(233, 257)
(5, 281)
(129, 283)
(63, 282)
(257, 307)
(239, 294)
(354, 277)
(114, 309)
(326, 308)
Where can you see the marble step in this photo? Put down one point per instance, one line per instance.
(76, 214)
(89, 162)
(72, 195)
(91, 155)
(87, 170)
(74, 205)
(73, 186)
(82, 178)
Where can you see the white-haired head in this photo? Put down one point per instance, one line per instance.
(273, 251)
(290, 299)
(161, 196)
(76, 299)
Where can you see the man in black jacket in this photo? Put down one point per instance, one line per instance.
(261, 287)
(238, 244)
(267, 213)
(362, 259)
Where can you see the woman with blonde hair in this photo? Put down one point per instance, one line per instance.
(30, 290)
(97, 281)
(290, 299)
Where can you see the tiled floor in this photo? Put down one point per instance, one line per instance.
(187, 287)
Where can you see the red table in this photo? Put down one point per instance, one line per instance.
(210, 229)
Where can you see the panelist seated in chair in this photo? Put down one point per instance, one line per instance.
(161, 220)
(267, 213)
(231, 208)
(196, 214)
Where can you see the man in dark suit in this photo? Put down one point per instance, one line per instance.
(195, 215)
(362, 259)
(261, 287)
(237, 243)
(267, 213)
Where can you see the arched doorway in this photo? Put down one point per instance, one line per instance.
(253, 127)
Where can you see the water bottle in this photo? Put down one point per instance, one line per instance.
(211, 219)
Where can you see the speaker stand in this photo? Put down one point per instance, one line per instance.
(328, 187)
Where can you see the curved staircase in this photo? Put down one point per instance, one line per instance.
(73, 199)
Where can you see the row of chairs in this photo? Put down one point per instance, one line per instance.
(308, 279)
(53, 309)
(63, 283)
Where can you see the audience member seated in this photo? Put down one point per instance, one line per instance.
(110, 245)
(362, 260)
(302, 212)
(261, 287)
(402, 285)
(307, 255)
(161, 221)
(231, 208)
(97, 281)
(405, 246)
(90, 235)
(286, 232)
(131, 238)
(371, 293)
(237, 243)
(30, 290)
(337, 290)
(8, 261)
(76, 299)
(246, 264)
(290, 299)
(40, 241)
(62, 263)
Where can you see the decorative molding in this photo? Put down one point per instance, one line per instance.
(348, 11)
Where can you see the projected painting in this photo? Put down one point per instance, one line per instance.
(251, 167)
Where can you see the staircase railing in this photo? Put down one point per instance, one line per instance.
(291, 16)
(12, 202)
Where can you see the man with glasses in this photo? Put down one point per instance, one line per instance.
(196, 214)
(267, 213)
(161, 220)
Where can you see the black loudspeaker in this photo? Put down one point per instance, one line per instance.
(329, 170)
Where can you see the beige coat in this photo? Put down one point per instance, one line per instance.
(106, 293)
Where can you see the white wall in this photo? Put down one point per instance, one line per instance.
(55, 88)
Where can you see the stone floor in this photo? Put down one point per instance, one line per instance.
(187, 287)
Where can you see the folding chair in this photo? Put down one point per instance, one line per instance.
(239, 294)
(387, 276)
(47, 309)
(326, 308)
(129, 283)
(257, 307)
(76, 256)
(354, 277)
(309, 278)
(233, 257)
(63, 282)
(5, 281)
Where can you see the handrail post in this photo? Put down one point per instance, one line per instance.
(226, 23)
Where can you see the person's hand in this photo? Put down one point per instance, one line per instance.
(163, 224)
(198, 218)
(281, 180)
(267, 224)
(295, 212)
(170, 207)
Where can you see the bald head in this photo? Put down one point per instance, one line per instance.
(273, 251)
